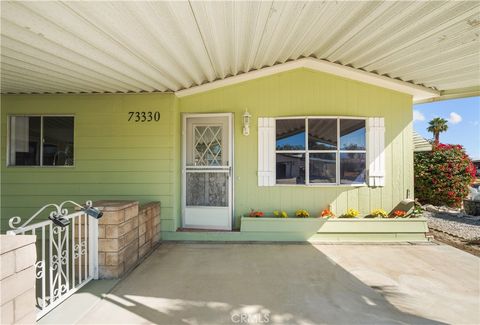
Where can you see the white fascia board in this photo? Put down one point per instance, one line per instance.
(418, 92)
(452, 94)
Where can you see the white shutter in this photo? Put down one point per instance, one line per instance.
(266, 151)
(375, 151)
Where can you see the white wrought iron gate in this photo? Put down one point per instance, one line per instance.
(67, 257)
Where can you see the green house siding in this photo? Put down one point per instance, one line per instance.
(306, 92)
(117, 159)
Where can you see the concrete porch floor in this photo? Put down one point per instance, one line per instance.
(296, 284)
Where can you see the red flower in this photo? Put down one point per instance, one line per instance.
(442, 176)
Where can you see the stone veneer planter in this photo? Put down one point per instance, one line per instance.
(126, 233)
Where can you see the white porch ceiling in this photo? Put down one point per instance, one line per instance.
(88, 47)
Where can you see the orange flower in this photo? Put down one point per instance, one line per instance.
(256, 214)
(399, 213)
(327, 213)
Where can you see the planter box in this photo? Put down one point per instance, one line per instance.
(375, 225)
(300, 225)
(338, 229)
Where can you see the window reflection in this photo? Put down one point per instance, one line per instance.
(290, 134)
(352, 134)
(25, 141)
(352, 168)
(58, 141)
(322, 168)
(322, 134)
(290, 168)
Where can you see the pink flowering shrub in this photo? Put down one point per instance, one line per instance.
(442, 176)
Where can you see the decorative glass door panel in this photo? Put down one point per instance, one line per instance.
(207, 149)
(207, 181)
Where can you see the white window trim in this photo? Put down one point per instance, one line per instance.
(337, 152)
(7, 161)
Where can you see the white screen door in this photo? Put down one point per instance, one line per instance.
(207, 171)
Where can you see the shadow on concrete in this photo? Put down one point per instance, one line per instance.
(244, 283)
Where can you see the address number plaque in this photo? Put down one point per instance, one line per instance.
(144, 116)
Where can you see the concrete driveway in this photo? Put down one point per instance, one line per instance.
(296, 284)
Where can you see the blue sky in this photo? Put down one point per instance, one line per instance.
(463, 117)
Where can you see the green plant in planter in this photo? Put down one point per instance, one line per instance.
(280, 214)
(379, 213)
(351, 213)
(417, 210)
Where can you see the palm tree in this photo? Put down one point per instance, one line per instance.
(437, 126)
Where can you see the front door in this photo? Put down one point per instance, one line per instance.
(207, 171)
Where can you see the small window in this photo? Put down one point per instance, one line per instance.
(41, 141)
(320, 151)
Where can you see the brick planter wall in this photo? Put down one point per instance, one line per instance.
(17, 281)
(126, 233)
(148, 227)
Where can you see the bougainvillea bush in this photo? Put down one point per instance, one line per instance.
(443, 175)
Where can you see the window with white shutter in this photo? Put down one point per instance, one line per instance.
(320, 151)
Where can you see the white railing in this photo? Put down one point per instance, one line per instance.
(67, 257)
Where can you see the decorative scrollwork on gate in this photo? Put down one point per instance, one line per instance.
(80, 249)
(64, 261)
(39, 267)
(57, 292)
(59, 210)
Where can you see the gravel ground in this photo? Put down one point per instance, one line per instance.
(454, 223)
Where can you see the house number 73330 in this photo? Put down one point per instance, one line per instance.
(144, 116)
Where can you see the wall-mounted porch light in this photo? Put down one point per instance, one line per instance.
(246, 122)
